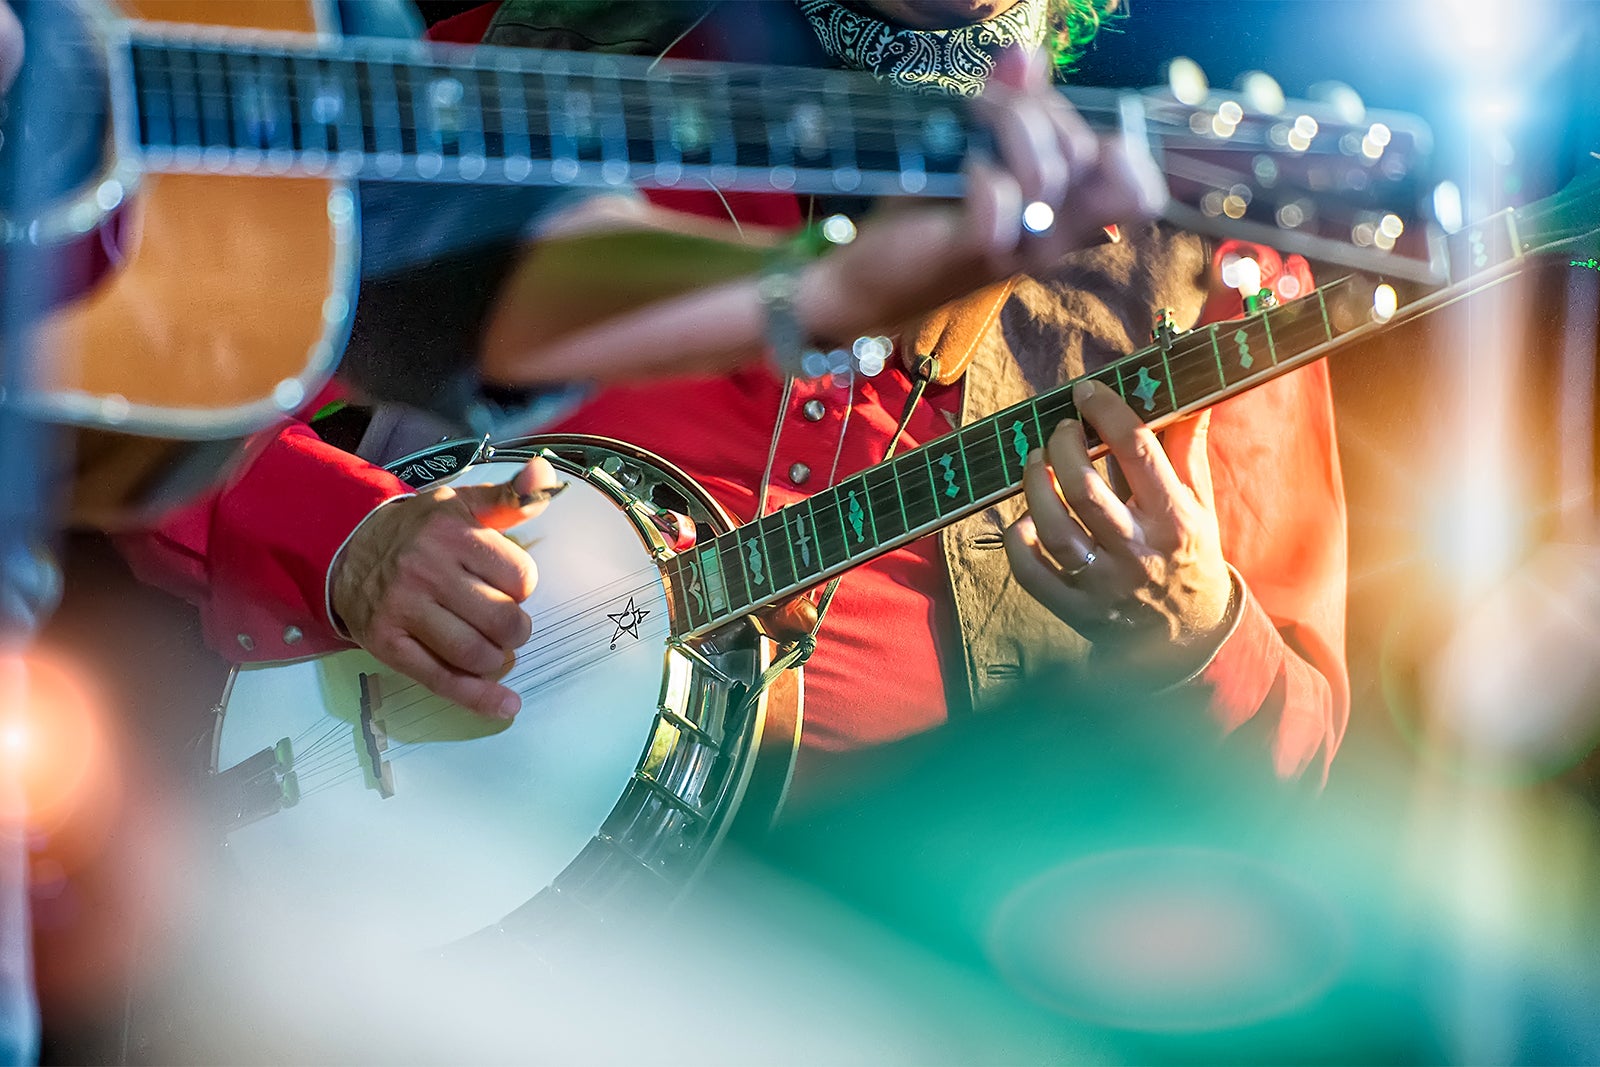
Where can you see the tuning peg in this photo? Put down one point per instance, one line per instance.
(1343, 101)
(1261, 92)
(1187, 81)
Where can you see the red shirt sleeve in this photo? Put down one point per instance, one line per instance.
(254, 554)
(1281, 680)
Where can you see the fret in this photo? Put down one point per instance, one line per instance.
(1266, 328)
(350, 132)
(1052, 407)
(780, 553)
(917, 490)
(435, 104)
(180, 93)
(908, 144)
(683, 582)
(615, 165)
(677, 132)
(801, 531)
(564, 114)
(781, 159)
(844, 152)
(213, 92)
(883, 502)
(855, 515)
(1298, 326)
(1011, 431)
(158, 126)
(384, 91)
(244, 102)
(475, 147)
(1216, 352)
(1194, 368)
(986, 469)
(730, 555)
(827, 523)
(716, 590)
(1145, 385)
(515, 140)
(757, 564)
(724, 147)
(1482, 246)
(1244, 348)
(319, 108)
(276, 126)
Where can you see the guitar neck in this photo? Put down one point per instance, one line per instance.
(923, 490)
(395, 110)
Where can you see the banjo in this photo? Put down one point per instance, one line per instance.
(638, 737)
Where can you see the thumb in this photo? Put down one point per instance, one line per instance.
(516, 500)
(1186, 443)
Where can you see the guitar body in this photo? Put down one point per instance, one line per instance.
(226, 300)
(375, 806)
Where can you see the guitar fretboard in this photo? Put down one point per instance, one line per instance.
(887, 505)
(377, 109)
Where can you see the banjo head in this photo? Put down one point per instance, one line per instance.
(412, 816)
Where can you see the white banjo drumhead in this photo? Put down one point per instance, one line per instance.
(483, 814)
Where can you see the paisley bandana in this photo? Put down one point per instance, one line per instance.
(954, 61)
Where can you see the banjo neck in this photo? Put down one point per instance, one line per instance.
(764, 562)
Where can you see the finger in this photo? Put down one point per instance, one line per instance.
(1186, 447)
(1019, 68)
(1134, 445)
(471, 691)
(516, 500)
(1035, 572)
(1028, 146)
(453, 641)
(1061, 535)
(994, 208)
(495, 615)
(1107, 518)
(500, 562)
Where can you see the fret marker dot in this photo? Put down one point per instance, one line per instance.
(429, 164)
(470, 167)
(1038, 217)
(518, 168)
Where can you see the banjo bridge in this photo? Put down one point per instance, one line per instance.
(374, 739)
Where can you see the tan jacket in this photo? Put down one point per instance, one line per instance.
(1098, 305)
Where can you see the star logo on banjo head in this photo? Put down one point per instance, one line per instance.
(627, 620)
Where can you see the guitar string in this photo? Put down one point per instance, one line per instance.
(881, 107)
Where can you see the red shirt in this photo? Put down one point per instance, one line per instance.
(256, 564)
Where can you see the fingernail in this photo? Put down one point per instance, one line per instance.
(1035, 457)
(1083, 390)
(539, 496)
(510, 704)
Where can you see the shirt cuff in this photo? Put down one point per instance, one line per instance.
(327, 579)
(1241, 672)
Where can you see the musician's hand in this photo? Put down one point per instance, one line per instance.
(429, 586)
(1050, 164)
(1145, 579)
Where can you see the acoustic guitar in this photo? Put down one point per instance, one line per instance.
(220, 301)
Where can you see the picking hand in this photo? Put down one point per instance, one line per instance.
(430, 587)
(1145, 579)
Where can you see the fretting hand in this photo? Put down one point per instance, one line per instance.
(430, 587)
(1144, 579)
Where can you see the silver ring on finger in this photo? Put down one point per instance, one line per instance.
(1088, 561)
(1038, 217)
